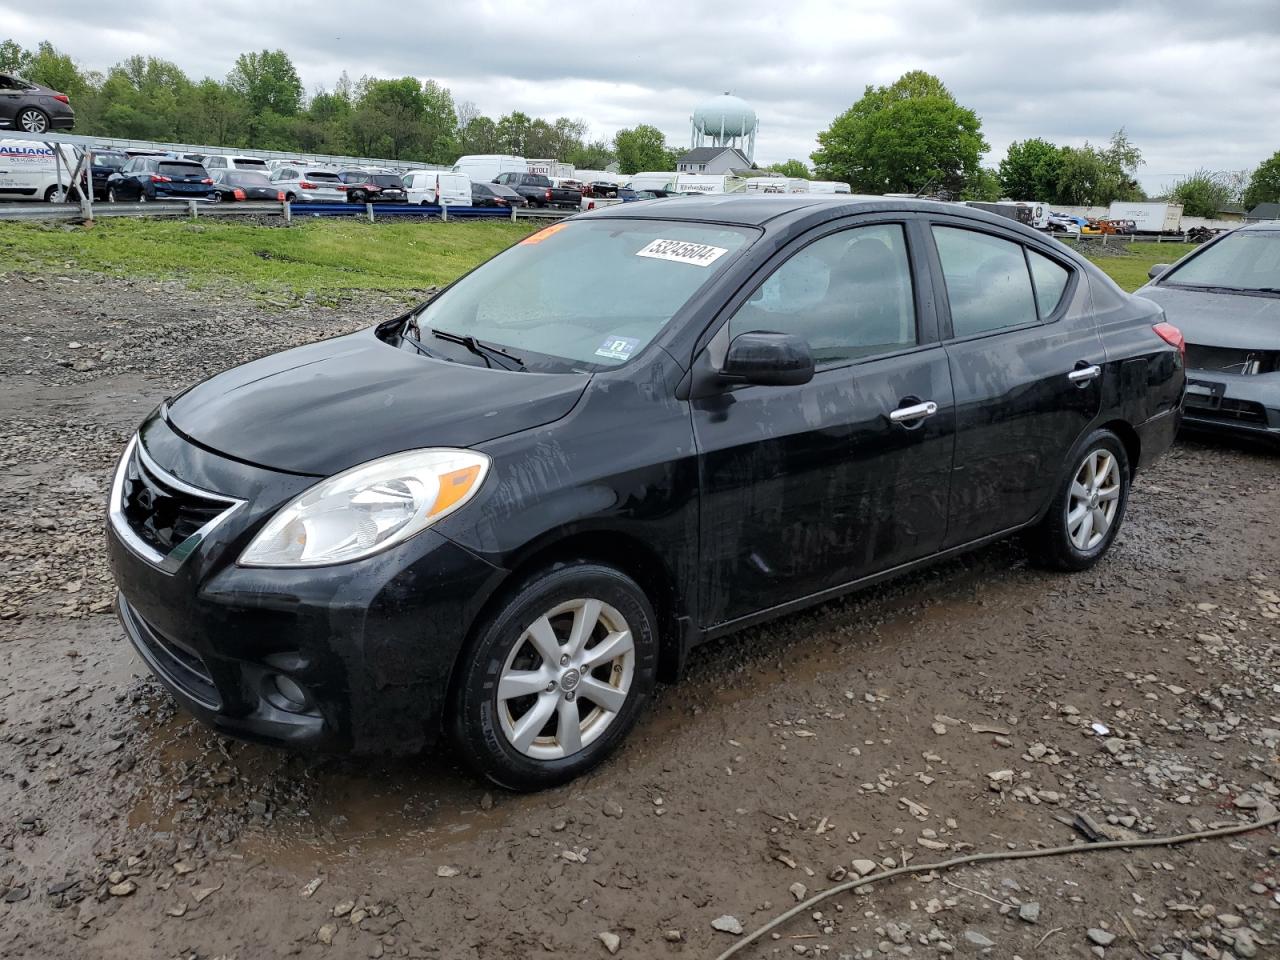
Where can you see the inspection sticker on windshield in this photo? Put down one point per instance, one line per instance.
(681, 251)
(618, 348)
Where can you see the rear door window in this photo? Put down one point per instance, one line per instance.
(987, 281)
(181, 170)
(323, 176)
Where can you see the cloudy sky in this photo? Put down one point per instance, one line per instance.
(1195, 84)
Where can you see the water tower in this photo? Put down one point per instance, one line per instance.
(726, 121)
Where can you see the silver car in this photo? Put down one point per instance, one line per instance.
(309, 185)
(1225, 298)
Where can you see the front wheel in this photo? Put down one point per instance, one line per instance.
(1087, 511)
(555, 677)
(33, 120)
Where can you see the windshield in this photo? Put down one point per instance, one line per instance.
(249, 179)
(584, 295)
(113, 160)
(323, 176)
(1244, 260)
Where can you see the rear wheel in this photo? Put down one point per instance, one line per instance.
(556, 676)
(33, 120)
(111, 194)
(1086, 514)
(55, 194)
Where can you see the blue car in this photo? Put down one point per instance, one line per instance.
(160, 178)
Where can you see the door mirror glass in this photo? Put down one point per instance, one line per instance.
(1156, 270)
(768, 360)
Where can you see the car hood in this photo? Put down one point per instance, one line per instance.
(331, 405)
(1230, 320)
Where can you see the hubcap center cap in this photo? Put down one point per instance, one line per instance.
(569, 680)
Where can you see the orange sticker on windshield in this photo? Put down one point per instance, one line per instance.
(543, 234)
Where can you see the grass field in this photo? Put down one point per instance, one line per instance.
(328, 257)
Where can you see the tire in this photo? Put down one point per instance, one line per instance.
(1061, 543)
(503, 657)
(111, 195)
(290, 198)
(32, 120)
(216, 197)
(56, 194)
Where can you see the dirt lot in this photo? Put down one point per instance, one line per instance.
(868, 730)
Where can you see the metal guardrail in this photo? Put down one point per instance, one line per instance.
(194, 209)
(1126, 237)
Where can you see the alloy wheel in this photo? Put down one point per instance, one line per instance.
(566, 679)
(33, 121)
(1094, 499)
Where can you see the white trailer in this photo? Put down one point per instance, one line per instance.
(552, 169)
(1154, 217)
(708, 183)
(829, 186)
(652, 180)
(767, 185)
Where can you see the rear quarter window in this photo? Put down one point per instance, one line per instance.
(1051, 280)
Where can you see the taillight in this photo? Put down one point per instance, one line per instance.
(237, 193)
(306, 185)
(437, 196)
(1172, 336)
(340, 186)
(548, 194)
(207, 180)
(62, 98)
(158, 179)
(280, 195)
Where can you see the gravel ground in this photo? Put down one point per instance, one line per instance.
(973, 707)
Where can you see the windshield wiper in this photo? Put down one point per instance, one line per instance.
(482, 350)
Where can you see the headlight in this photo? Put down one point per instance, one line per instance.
(368, 508)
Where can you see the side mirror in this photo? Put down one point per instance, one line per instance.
(768, 360)
(1156, 270)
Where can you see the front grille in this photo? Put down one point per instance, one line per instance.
(173, 660)
(161, 512)
(1228, 360)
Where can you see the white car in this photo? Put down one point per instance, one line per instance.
(487, 167)
(222, 161)
(438, 187)
(309, 185)
(29, 170)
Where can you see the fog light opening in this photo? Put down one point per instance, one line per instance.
(288, 695)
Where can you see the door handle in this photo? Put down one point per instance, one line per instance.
(914, 413)
(1085, 374)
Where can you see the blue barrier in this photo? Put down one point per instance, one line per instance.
(396, 210)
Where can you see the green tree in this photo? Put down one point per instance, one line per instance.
(791, 168)
(593, 155)
(1092, 176)
(642, 148)
(267, 81)
(909, 136)
(984, 186)
(1264, 185)
(1202, 194)
(1030, 170)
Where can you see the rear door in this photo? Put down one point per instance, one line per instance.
(807, 488)
(1026, 361)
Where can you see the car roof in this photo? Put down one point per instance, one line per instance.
(757, 210)
(1263, 226)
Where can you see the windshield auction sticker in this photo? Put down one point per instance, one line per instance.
(681, 251)
(618, 348)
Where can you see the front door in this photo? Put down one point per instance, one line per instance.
(1026, 361)
(806, 488)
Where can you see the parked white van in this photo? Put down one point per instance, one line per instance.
(29, 170)
(653, 180)
(486, 167)
(438, 187)
(222, 161)
(830, 186)
(767, 185)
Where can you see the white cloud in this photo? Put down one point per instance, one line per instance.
(1192, 83)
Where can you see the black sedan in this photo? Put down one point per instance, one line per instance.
(1226, 299)
(365, 187)
(495, 195)
(146, 178)
(506, 513)
(31, 108)
(236, 185)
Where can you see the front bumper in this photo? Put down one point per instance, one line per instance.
(1237, 404)
(371, 644)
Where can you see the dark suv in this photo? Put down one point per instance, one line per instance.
(160, 178)
(365, 187)
(31, 108)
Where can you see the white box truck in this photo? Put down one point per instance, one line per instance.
(709, 183)
(652, 180)
(552, 169)
(485, 167)
(30, 170)
(1149, 217)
